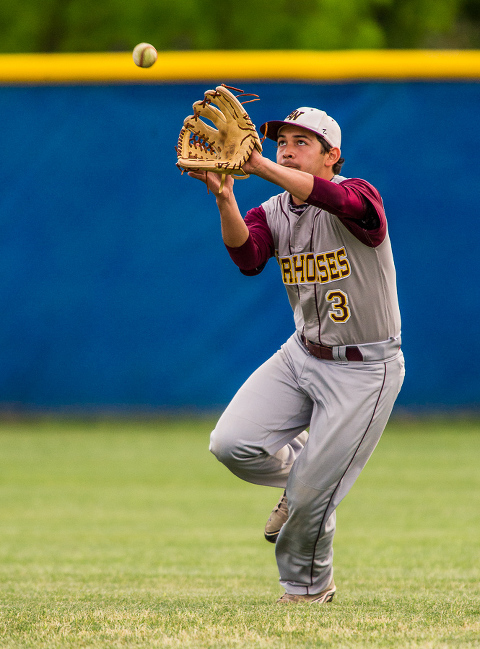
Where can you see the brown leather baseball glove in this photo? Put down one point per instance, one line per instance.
(224, 147)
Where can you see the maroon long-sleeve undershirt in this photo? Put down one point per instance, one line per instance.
(355, 202)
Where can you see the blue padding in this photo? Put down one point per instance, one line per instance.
(117, 290)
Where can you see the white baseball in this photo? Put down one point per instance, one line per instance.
(144, 55)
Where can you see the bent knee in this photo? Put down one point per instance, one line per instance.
(221, 445)
(228, 448)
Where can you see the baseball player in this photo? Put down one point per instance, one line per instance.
(340, 372)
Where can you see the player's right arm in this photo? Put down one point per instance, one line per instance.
(234, 230)
(250, 246)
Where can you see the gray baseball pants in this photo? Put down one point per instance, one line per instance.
(261, 438)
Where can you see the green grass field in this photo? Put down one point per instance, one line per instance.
(133, 535)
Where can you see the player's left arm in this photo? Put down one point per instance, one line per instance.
(296, 182)
(352, 198)
(356, 203)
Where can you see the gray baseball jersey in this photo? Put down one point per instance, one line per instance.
(342, 290)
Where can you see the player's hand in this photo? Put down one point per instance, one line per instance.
(253, 163)
(213, 181)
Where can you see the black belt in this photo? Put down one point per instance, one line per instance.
(352, 352)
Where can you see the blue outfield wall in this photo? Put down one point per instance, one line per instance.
(117, 291)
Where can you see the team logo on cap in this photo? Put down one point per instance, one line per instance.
(295, 115)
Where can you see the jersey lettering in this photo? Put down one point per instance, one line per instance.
(298, 269)
(340, 310)
(311, 268)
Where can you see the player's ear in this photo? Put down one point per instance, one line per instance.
(333, 156)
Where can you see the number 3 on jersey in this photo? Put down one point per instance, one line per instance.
(340, 311)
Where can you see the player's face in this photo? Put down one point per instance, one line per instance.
(300, 149)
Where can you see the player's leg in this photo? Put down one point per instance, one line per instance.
(352, 406)
(261, 432)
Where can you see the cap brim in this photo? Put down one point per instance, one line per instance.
(272, 129)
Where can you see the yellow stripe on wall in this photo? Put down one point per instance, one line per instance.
(218, 66)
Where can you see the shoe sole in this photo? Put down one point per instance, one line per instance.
(326, 599)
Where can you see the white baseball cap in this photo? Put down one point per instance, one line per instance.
(312, 119)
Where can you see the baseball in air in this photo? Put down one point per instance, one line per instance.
(144, 55)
